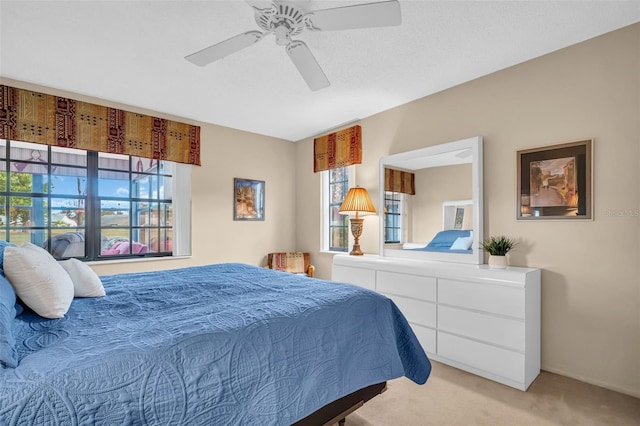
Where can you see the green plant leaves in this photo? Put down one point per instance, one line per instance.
(498, 246)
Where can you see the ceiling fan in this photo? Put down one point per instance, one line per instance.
(287, 19)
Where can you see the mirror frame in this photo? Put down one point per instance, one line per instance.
(445, 154)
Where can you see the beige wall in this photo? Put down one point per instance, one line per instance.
(225, 154)
(434, 186)
(591, 269)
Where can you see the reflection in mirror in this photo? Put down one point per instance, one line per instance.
(432, 202)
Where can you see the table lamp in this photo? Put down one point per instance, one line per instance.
(357, 202)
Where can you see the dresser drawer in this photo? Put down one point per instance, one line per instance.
(426, 337)
(497, 299)
(418, 287)
(501, 331)
(491, 359)
(359, 276)
(416, 311)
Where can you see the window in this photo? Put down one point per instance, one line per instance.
(89, 205)
(393, 211)
(335, 229)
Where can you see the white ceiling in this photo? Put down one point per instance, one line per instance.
(133, 52)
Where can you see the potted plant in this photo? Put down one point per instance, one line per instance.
(498, 247)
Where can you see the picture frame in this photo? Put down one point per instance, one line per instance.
(459, 218)
(248, 199)
(555, 182)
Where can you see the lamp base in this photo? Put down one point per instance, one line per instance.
(356, 250)
(356, 230)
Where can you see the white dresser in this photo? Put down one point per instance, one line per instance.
(479, 319)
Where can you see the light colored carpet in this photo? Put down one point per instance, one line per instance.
(454, 397)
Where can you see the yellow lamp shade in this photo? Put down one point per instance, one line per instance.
(357, 202)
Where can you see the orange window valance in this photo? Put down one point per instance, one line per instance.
(338, 149)
(29, 116)
(399, 181)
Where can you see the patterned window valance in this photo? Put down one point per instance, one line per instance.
(53, 120)
(338, 149)
(399, 181)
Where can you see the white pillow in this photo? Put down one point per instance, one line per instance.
(462, 243)
(41, 283)
(86, 283)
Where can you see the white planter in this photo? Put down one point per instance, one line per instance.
(497, 261)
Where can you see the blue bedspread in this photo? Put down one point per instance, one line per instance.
(225, 344)
(441, 250)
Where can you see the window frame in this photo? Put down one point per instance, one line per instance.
(89, 203)
(326, 206)
(399, 199)
(136, 201)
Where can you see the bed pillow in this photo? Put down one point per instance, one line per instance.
(462, 243)
(8, 355)
(40, 282)
(448, 237)
(4, 244)
(86, 283)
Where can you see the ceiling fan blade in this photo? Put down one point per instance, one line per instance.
(224, 48)
(259, 4)
(366, 15)
(307, 65)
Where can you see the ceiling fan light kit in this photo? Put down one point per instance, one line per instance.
(287, 19)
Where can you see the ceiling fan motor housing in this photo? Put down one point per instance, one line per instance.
(284, 20)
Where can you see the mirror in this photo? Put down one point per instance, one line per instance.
(448, 196)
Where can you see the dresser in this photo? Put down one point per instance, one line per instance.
(482, 320)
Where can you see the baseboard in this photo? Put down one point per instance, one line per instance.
(631, 392)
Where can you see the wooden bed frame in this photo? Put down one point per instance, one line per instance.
(338, 410)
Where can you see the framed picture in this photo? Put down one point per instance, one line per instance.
(248, 199)
(459, 218)
(555, 182)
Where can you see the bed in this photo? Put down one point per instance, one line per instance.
(223, 344)
(456, 235)
(447, 241)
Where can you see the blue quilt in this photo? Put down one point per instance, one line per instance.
(226, 344)
(444, 241)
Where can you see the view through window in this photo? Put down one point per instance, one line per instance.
(392, 217)
(338, 225)
(82, 204)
